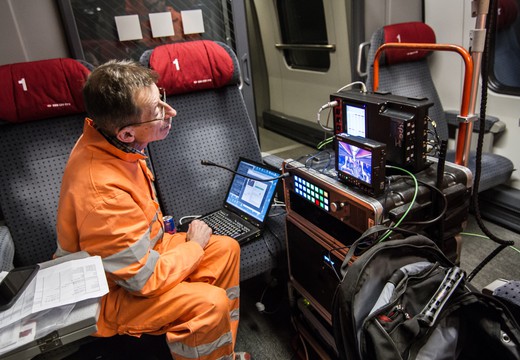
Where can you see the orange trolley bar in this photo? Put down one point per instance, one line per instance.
(465, 128)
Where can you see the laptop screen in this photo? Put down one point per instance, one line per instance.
(252, 197)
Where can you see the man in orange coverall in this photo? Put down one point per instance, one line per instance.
(186, 284)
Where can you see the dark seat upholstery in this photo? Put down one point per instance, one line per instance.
(212, 124)
(413, 79)
(32, 164)
(35, 151)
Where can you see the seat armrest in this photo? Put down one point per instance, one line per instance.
(497, 126)
(491, 287)
(493, 124)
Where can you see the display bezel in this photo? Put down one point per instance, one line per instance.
(345, 144)
(14, 283)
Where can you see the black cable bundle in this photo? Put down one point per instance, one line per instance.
(490, 24)
(441, 163)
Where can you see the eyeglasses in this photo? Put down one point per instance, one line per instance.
(163, 115)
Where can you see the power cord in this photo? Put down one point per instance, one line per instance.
(271, 252)
(277, 204)
(182, 219)
(416, 185)
(441, 213)
(332, 104)
(327, 260)
(260, 306)
(329, 106)
(487, 238)
(324, 143)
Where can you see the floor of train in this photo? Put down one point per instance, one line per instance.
(271, 335)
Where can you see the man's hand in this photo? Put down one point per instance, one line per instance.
(199, 232)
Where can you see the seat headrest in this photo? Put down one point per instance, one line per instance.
(193, 65)
(410, 32)
(41, 89)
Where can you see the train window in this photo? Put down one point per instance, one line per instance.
(304, 34)
(93, 36)
(504, 76)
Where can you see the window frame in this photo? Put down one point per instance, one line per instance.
(298, 54)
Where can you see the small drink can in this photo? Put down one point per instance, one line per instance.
(169, 224)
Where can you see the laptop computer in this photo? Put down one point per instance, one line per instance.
(247, 202)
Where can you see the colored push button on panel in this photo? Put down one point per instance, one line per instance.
(311, 192)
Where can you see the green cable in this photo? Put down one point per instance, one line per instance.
(324, 142)
(487, 238)
(416, 184)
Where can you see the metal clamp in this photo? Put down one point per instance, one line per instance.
(470, 118)
(49, 342)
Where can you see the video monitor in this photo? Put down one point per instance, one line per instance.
(355, 162)
(361, 162)
(397, 121)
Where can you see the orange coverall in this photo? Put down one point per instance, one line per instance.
(158, 283)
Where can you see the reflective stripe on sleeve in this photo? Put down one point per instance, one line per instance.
(134, 253)
(234, 315)
(200, 350)
(227, 357)
(136, 282)
(128, 256)
(233, 292)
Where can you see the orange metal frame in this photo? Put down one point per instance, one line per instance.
(465, 128)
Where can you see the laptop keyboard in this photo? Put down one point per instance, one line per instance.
(221, 224)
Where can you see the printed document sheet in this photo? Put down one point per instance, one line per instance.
(62, 284)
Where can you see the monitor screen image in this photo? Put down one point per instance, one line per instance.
(355, 162)
(355, 120)
(250, 196)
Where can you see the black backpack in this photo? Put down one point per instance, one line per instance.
(403, 299)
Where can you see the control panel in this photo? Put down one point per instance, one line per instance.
(328, 203)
